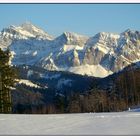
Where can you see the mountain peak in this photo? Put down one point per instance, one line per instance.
(28, 26)
(133, 34)
(74, 38)
(33, 29)
(106, 35)
(27, 23)
(129, 31)
(25, 31)
(69, 35)
(73, 35)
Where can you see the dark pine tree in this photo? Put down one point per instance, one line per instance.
(7, 80)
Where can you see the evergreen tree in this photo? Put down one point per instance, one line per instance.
(7, 80)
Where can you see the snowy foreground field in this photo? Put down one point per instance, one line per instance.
(125, 123)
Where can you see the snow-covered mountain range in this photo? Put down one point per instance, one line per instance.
(99, 56)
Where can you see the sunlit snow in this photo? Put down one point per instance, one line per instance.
(28, 83)
(92, 70)
(124, 123)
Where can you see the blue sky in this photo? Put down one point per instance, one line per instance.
(87, 19)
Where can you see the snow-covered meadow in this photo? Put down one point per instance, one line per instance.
(123, 123)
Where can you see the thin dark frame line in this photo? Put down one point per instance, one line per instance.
(68, 3)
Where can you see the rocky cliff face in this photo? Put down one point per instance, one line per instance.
(99, 56)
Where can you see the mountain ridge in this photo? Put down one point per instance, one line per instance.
(104, 52)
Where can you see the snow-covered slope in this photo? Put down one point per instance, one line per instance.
(28, 83)
(24, 31)
(123, 123)
(98, 56)
(90, 70)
